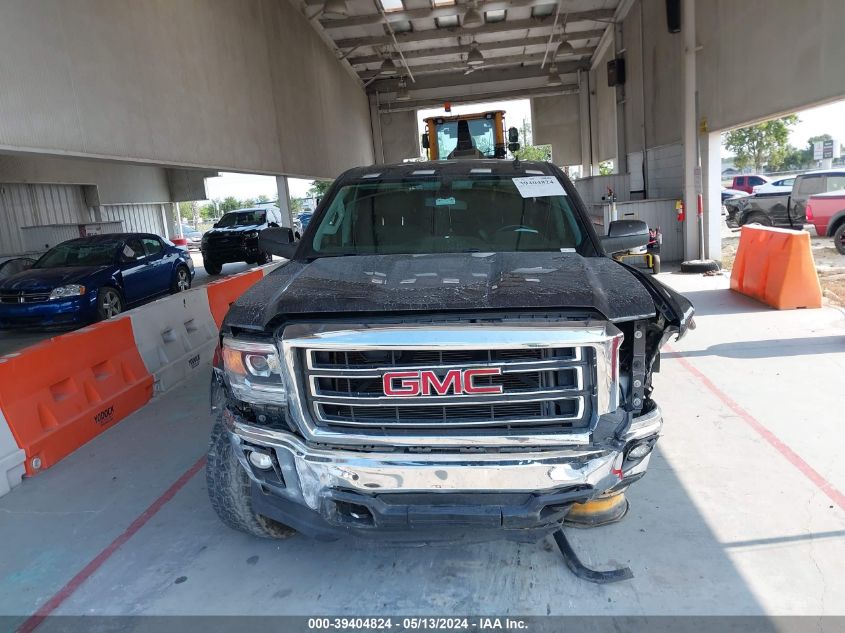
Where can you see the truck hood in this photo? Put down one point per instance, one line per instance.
(444, 282)
(36, 279)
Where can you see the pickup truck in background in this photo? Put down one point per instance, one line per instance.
(826, 212)
(748, 182)
(784, 210)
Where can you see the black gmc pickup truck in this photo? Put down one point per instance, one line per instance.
(449, 352)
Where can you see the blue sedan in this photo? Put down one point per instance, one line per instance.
(93, 278)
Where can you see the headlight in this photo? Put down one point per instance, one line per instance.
(251, 235)
(63, 292)
(254, 371)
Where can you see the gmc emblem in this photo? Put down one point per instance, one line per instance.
(410, 384)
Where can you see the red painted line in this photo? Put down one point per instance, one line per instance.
(74, 583)
(791, 456)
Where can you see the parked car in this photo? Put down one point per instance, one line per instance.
(440, 340)
(234, 238)
(93, 278)
(784, 210)
(747, 183)
(11, 265)
(727, 194)
(826, 211)
(193, 236)
(305, 218)
(784, 185)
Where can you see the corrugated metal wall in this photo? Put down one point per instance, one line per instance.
(142, 218)
(35, 205)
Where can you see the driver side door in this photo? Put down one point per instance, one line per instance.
(135, 270)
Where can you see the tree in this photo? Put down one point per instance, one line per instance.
(296, 206)
(606, 168)
(534, 152)
(262, 198)
(230, 203)
(762, 144)
(208, 212)
(319, 188)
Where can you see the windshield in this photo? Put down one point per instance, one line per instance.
(83, 254)
(242, 218)
(461, 214)
(481, 131)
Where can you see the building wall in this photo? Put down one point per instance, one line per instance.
(140, 218)
(604, 121)
(555, 121)
(24, 205)
(116, 183)
(399, 136)
(242, 86)
(791, 59)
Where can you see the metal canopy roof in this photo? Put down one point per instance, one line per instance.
(430, 44)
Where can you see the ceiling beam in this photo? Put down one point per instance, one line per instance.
(490, 62)
(495, 27)
(432, 12)
(522, 43)
(500, 95)
(484, 76)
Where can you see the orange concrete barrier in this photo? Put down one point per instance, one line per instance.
(776, 266)
(61, 393)
(223, 293)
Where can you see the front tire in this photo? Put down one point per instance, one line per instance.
(839, 239)
(181, 281)
(109, 303)
(655, 264)
(229, 489)
(212, 267)
(264, 258)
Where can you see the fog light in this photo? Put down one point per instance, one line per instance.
(639, 451)
(260, 460)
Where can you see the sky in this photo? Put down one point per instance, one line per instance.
(826, 119)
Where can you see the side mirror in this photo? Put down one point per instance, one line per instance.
(278, 241)
(513, 139)
(624, 235)
(425, 142)
(214, 226)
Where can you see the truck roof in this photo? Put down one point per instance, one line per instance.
(493, 166)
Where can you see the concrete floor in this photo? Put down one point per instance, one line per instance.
(742, 511)
(15, 340)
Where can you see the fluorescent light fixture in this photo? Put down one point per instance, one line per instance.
(472, 18)
(402, 93)
(335, 10)
(553, 78)
(495, 16)
(392, 5)
(474, 57)
(388, 67)
(442, 3)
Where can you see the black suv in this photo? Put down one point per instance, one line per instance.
(235, 238)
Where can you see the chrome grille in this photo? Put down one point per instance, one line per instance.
(24, 297)
(546, 388)
(555, 377)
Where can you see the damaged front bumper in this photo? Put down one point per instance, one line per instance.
(523, 495)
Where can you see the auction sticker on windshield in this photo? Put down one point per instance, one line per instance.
(539, 186)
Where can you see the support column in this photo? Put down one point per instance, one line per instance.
(284, 201)
(177, 213)
(621, 139)
(712, 182)
(691, 249)
(584, 120)
(375, 124)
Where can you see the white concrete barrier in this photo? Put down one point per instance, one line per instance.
(176, 337)
(11, 459)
